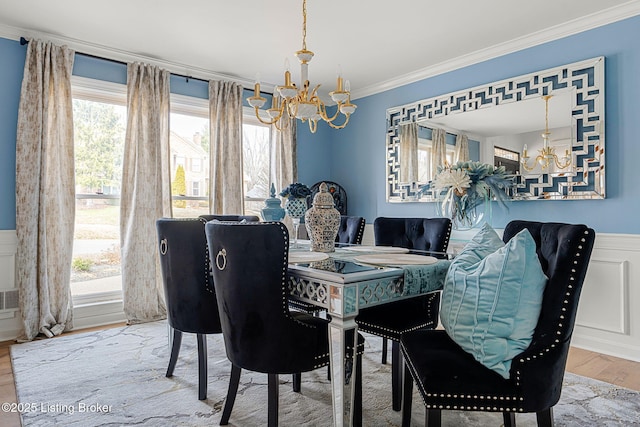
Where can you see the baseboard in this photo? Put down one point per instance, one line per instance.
(608, 347)
(98, 314)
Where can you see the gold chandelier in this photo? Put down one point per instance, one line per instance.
(547, 156)
(303, 104)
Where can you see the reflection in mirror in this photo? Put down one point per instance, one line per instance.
(548, 127)
(409, 155)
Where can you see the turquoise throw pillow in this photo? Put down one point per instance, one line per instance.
(492, 297)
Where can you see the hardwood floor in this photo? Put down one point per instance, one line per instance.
(610, 369)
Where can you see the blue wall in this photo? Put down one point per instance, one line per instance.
(358, 151)
(11, 66)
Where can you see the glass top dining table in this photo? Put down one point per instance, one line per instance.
(349, 279)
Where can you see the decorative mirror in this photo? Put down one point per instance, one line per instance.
(546, 127)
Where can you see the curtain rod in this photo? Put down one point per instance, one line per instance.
(450, 133)
(24, 41)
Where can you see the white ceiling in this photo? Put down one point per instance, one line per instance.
(377, 44)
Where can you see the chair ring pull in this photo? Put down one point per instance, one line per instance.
(163, 246)
(221, 254)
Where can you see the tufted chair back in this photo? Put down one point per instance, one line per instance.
(250, 269)
(426, 234)
(351, 230)
(250, 264)
(564, 251)
(247, 218)
(189, 292)
(535, 376)
(188, 288)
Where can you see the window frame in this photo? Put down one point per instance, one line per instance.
(110, 93)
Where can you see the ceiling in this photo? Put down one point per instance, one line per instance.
(376, 44)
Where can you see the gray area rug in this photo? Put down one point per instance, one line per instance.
(115, 377)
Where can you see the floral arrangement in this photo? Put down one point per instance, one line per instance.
(466, 185)
(296, 190)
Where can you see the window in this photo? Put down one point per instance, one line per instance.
(196, 164)
(190, 150)
(189, 145)
(255, 150)
(99, 120)
(425, 174)
(508, 158)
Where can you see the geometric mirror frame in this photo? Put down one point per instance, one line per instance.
(584, 179)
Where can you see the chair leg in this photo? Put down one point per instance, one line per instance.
(407, 397)
(357, 404)
(396, 376)
(384, 351)
(297, 380)
(202, 366)
(234, 382)
(433, 418)
(509, 419)
(175, 350)
(273, 401)
(545, 418)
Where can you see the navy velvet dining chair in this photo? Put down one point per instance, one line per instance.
(391, 320)
(188, 288)
(248, 218)
(261, 334)
(448, 377)
(351, 230)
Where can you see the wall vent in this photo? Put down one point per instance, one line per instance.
(9, 299)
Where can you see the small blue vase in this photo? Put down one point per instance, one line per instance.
(272, 211)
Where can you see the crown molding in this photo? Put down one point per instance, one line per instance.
(598, 19)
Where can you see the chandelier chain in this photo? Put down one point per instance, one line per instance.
(304, 25)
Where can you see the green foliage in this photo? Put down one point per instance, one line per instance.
(179, 187)
(81, 264)
(99, 143)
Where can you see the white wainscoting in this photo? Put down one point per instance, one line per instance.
(608, 319)
(10, 322)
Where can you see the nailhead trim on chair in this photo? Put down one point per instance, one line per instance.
(564, 309)
(207, 264)
(517, 375)
(361, 231)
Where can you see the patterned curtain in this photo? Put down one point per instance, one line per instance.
(409, 152)
(226, 195)
(284, 158)
(439, 150)
(461, 153)
(146, 191)
(45, 191)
